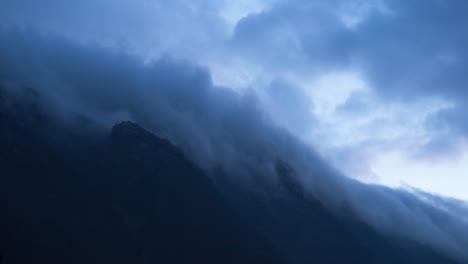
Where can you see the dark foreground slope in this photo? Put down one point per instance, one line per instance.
(77, 194)
(306, 232)
(127, 197)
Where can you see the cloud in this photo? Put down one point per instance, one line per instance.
(407, 53)
(417, 49)
(216, 127)
(290, 106)
(407, 49)
(404, 50)
(173, 96)
(294, 34)
(410, 55)
(147, 28)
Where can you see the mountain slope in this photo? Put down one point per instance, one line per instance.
(81, 194)
(128, 197)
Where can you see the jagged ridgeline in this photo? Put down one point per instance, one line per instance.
(83, 194)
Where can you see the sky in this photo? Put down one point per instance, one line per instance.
(377, 89)
(377, 86)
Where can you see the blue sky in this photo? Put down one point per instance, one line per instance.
(378, 88)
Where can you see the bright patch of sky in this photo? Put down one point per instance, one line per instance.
(447, 177)
(375, 142)
(352, 13)
(366, 138)
(233, 11)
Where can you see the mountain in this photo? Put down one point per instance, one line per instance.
(120, 197)
(307, 232)
(78, 193)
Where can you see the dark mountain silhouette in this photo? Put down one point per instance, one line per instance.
(127, 197)
(308, 233)
(79, 194)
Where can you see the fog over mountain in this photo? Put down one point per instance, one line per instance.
(247, 143)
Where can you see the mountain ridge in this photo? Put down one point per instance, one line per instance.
(126, 195)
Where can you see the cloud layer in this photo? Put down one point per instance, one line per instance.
(218, 128)
(355, 78)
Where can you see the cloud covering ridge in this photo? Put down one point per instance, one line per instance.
(217, 127)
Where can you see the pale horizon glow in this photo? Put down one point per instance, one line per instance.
(384, 138)
(447, 177)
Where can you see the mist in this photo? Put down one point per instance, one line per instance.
(218, 128)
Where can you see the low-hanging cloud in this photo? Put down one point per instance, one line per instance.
(216, 127)
(406, 50)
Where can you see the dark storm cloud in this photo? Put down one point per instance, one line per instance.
(144, 27)
(406, 50)
(413, 48)
(215, 126)
(295, 33)
(290, 106)
(418, 49)
(174, 97)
